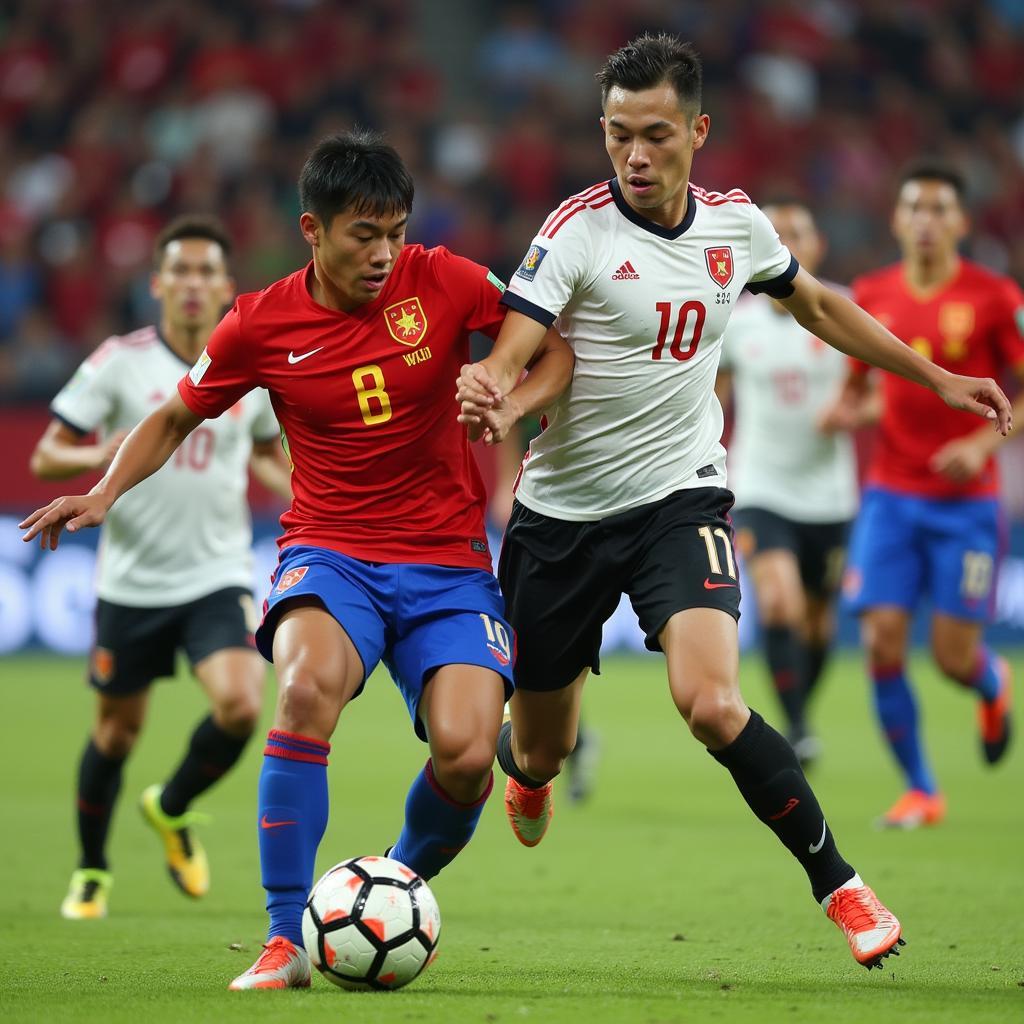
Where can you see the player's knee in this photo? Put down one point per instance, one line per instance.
(777, 609)
(116, 737)
(300, 699)
(958, 663)
(883, 643)
(238, 714)
(544, 761)
(715, 716)
(463, 769)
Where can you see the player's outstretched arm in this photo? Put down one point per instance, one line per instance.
(143, 452)
(845, 326)
(858, 404)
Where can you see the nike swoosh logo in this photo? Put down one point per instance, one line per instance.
(708, 585)
(293, 358)
(820, 843)
(274, 824)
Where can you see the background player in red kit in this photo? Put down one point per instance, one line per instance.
(929, 524)
(384, 554)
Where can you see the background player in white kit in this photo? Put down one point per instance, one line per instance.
(623, 492)
(175, 565)
(795, 486)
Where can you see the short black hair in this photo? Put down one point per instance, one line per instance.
(648, 61)
(354, 170)
(192, 225)
(933, 168)
(786, 199)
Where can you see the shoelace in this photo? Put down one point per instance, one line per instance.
(857, 911)
(531, 801)
(89, 891)
(275, 954)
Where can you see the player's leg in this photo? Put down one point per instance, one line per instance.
(882, 585)
(216, 633)
(702, 653)
(118, 722)
(581, 765)
(822, 560)
(769, 544)
(964, 541)
(561, 584)
(320, 666)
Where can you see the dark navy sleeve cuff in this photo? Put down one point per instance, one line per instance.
(527, 308)
(780, 287)
(80, 431)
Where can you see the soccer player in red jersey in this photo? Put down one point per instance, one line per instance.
(929, 525)
(384, 554)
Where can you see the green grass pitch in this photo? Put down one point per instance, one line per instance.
(660, 900)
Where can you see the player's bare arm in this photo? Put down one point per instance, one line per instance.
(487, 381)
(550, 368)
(842, 324)
(60, 453)
(857, 405)
(963, 458)
(143, 452)
(270, 466)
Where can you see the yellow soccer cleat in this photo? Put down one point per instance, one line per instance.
(186, 858)
(87, 895)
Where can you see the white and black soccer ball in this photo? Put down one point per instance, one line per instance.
(371, 922)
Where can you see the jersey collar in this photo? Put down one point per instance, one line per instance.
(167, 345)
(633, 217)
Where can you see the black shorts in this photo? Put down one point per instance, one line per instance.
(819, 548)
(134, 646)
(563, 580)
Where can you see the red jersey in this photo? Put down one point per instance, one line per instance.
(381, 467)
(974, 326)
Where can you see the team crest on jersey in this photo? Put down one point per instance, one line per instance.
(531, 263)
(102, 665)
(956, 320)
(720, 264)
(407, 323)
(290, 578)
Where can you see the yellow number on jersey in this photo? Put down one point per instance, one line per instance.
(374, 403)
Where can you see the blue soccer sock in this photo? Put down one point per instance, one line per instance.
(436, 826)
(897, 714)
(985, 680)
(292, 819)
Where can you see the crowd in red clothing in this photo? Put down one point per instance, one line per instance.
(114, 117)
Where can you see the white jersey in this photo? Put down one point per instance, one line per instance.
(185, 531)
(783, 378)
(643, 308)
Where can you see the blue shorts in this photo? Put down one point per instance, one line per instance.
(415, 618)
(905, 547)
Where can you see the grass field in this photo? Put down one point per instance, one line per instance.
(660, 900)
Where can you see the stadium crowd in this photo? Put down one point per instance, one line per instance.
(114, 117)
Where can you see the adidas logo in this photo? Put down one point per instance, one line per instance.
(626, 273)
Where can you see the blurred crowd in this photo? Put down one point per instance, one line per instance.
(115, 116)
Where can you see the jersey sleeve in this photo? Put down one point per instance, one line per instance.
(1010, 326)
(264, 425)
(223, 373)
(89, 399)
(772, 265)
(475, 287)
(552, 270)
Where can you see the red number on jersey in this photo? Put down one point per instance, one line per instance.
(196, 450)
(682, 322)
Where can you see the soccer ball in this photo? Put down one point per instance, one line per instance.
(371, 922)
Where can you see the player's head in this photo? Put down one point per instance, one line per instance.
(356, 197)
(190, 272)
(929, 220)
(651, 96)
(793, 220)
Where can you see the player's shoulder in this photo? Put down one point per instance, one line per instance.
(884, 280)
(287, 293)
(982, 280)
(118, 347)
(735, 197)
(579, 211)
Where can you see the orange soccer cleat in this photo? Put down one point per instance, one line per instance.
(871, 930)
(282, 964)
(529, 811)
(994, 717)
(913, 809)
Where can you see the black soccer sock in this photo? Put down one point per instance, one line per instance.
(99, 782)
(768, 775)
(815, 657)
(782, 650)
(211, 752)
(508, 762)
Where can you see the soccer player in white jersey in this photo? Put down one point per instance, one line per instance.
(174, 566)
(624, 490)
(795, 500)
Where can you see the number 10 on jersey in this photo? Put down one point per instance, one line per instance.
(689, 317)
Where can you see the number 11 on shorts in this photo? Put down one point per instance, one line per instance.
(715, 563)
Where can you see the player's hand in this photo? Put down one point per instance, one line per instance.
(961, 459)
(74, 512)
(476, 389)
(840, 416)
(497, 423)
(980, 395)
